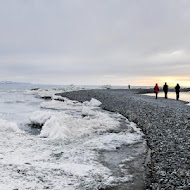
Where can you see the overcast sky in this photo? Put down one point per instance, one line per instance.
(118, 42)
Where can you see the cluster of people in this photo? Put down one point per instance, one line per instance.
(165, 89)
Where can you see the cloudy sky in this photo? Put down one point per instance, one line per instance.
(118, 42)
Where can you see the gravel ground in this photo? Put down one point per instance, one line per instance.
(166, 125)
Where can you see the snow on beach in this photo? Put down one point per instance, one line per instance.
(65, 155)
(37, 163)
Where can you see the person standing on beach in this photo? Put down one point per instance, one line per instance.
(165, 89)
(177, 90)
(156, 90)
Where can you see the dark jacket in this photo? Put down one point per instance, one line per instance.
(177, 88)
(165, 88)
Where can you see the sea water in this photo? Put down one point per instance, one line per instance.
(51, 142)
(16, 106)
(185, 96)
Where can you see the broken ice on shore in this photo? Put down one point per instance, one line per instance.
(48, 93)
(66, 153)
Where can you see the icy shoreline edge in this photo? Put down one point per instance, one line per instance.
(166, 125)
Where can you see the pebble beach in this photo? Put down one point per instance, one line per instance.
(166, 125)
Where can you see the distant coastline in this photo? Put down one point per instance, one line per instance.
(12, 82)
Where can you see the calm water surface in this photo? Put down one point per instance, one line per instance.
(185, 96)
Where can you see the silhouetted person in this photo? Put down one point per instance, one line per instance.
(165, 89)
(129, 86)
(177, 90)
(156, 90)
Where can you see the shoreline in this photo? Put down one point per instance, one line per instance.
(165, 123)
(151, 90)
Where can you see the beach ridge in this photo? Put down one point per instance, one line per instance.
(166, 125)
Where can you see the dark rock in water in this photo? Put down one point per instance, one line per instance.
(35, 89)
(59, 99)
(46, 97)
(166, 125)
(36, 125)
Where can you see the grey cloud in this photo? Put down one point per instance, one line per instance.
(67, 38)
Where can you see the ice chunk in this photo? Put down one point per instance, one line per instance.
(40, 117)
(8, 126)
(66, 127)
(66, 104)
(86, 111)
(93, 102)
(49, 93)
(59, 98)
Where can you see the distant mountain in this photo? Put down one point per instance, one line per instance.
(12, 82)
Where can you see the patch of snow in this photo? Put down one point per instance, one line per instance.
(113, 141)
(135, 128)
(54, 97)
(127, 159)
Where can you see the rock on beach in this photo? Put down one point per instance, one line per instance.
(166, 125)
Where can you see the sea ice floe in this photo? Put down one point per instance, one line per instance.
(68, 156)
(59, 125)
(92, 103)
(87, 111)
(50, 93)
(40, 117)
(66, 127)
(30, 162)
(7, 126)
(61, 105)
